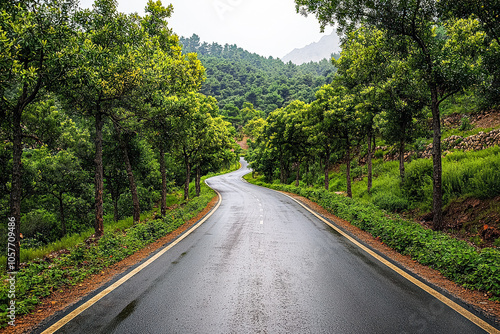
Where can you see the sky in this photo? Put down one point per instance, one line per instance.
(266, 27)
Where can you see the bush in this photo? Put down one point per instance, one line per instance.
(465, 124)
(40, 225)
(390, 202)
(418, 179)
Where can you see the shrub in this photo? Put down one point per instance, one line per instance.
(465, 124)
(418, 178)
(40, 225)
(390, 202)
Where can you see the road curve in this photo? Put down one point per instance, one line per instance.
(263, 264)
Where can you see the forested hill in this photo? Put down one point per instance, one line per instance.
(237, 77)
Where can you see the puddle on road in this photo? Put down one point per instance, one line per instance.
(124, 314)
(179, 258)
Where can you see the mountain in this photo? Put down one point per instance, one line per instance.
(241, 80)
(316, 51)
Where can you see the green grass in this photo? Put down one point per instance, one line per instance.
(465, 174)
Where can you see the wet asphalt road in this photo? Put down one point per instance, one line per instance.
(263, 264)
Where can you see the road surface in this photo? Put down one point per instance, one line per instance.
(263, 264)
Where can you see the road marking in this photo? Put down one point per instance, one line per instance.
(466, 314)
(58, 325)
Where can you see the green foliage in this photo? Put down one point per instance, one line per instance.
(390, 202)
(237, 77)
(418, 180)
(474, 174)
(41, 226)
(465, 124)
(39, 278)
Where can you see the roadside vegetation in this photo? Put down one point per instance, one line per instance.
(407, 126)
(71, 260)
(455, 259)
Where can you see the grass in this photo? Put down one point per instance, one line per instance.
(465, 174)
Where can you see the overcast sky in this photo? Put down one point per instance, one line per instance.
(266, 27)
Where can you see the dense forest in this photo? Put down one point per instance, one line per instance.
(248, 85)
(101, 117)
(401, 71)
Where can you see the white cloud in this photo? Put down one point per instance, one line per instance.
(266, 27)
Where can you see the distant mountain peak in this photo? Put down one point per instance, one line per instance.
(317, 51)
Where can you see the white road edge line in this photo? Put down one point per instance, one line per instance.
(58, 325)
(466, 314)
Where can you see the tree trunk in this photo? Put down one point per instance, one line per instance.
(198, 181)
(116, 216)
(188, 179)
(437, 196)
(131, 178)
(327, 167)
(163, 182)
(99, 176)
(348, 171)
(16, 191)
(402, 160)
(282, 171)
(370, 164)
(61, 211)
(297, 175)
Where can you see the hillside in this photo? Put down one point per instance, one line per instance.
(237, 77)
(323, 49)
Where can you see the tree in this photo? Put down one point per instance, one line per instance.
(296, 134)
(105, 70)
(170, 74)
(335, 128)
(276, 141)
(34, 39)
(362, 68)
(388, 98)
(124, 136)
(61, 176)
(445, 72)
(487, 13)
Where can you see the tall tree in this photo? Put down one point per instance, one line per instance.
(106, 70)
(170, 74)
(296, 134)
(444, 71)
(388, 97)
(34, 39)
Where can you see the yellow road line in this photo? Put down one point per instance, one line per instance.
(55, 327)
(468, 315)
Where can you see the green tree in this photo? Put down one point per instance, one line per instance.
(445, 71)
(170, 74)
(34, 39)
(274, 131)
(335, 126)
(61, 176)
(297, 134)
(106, 70)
